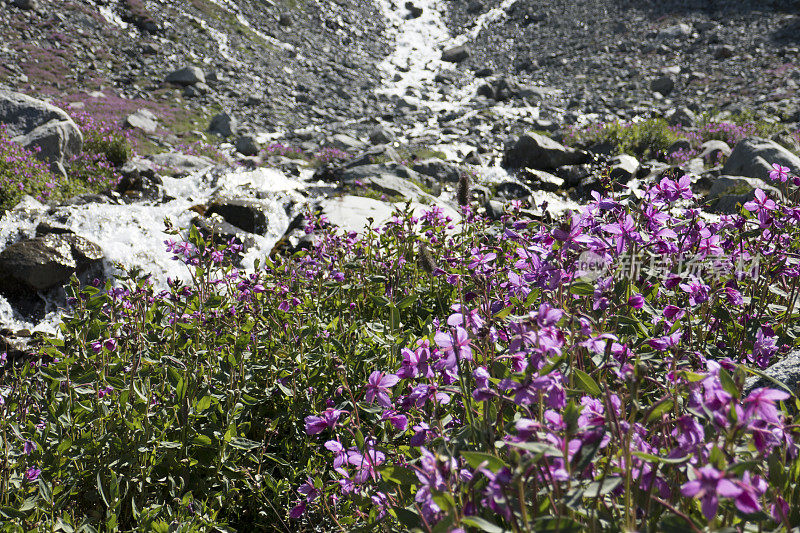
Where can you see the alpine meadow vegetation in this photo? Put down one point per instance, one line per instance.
(429, 374)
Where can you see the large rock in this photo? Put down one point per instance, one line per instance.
(381, 135)
(223, 125)
(181, 164)
(353, 213)
(624, 167)
(677, 31)
(437, 169)
(542, 181)
(663, 85)
(247, 215)
(186, 76)
(753, 157)
(247, 146)
(682, 116)
(45, 262)
(714, 150)
(457, 54)
(537, 151)
(35, 124)
(728, 193)
(786, 371)
(143, 120)
(392, 180)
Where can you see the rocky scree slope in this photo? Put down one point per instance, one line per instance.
(278, 63)
(619, 59)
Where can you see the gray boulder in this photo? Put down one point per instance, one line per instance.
(223, 125)
(247, 146)
(391, 179)
(247, 215)
(177, 163)
(215, 227)
(27, 5)
(682, 116)
(753, 157)
(663, 85)
(143, 120)
(543, 181)
(346, 143)
(510, 190)
(677, 31)
(186, 76)
(728, 193)
(45, 262)
(381, 135)
(786, 371)
(438, 169)
(376, 154)
(713, 150)
(624, 167)
(537, 151)
(35, 124)
(457, 54)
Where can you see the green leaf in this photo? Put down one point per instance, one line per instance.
(650, 458)
(587, 383)
(408, 301)
(546, 450)
(394, 318)
(672, 523)
(583, 457)
(203, 404)
(663, 407)
(100, 489)
(444, 500)
(727, 383)
(407, 517)
(45, 491)
(581, 288)
(501, 314)
(64, 445)
(10, 512)
(481, 524)
(399, 475)
(202, 440)
(180, 390)
(476, 459)
(561, 524)
(244, 444)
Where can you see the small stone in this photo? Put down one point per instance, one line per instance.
(143, 120)
(381, 135)
(186, 76)
(27, 5)
(223, 125)
(725, 51)
(247, 146)
(663, 85)
(456, 54)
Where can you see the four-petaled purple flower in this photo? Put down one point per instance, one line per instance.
(760, 203)
(761, 402)
(455, 345)
(779, 172)
(378, 388)
(32, 474)
(326, 420)
(709, 485)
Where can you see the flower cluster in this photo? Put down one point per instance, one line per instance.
(538, 385)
